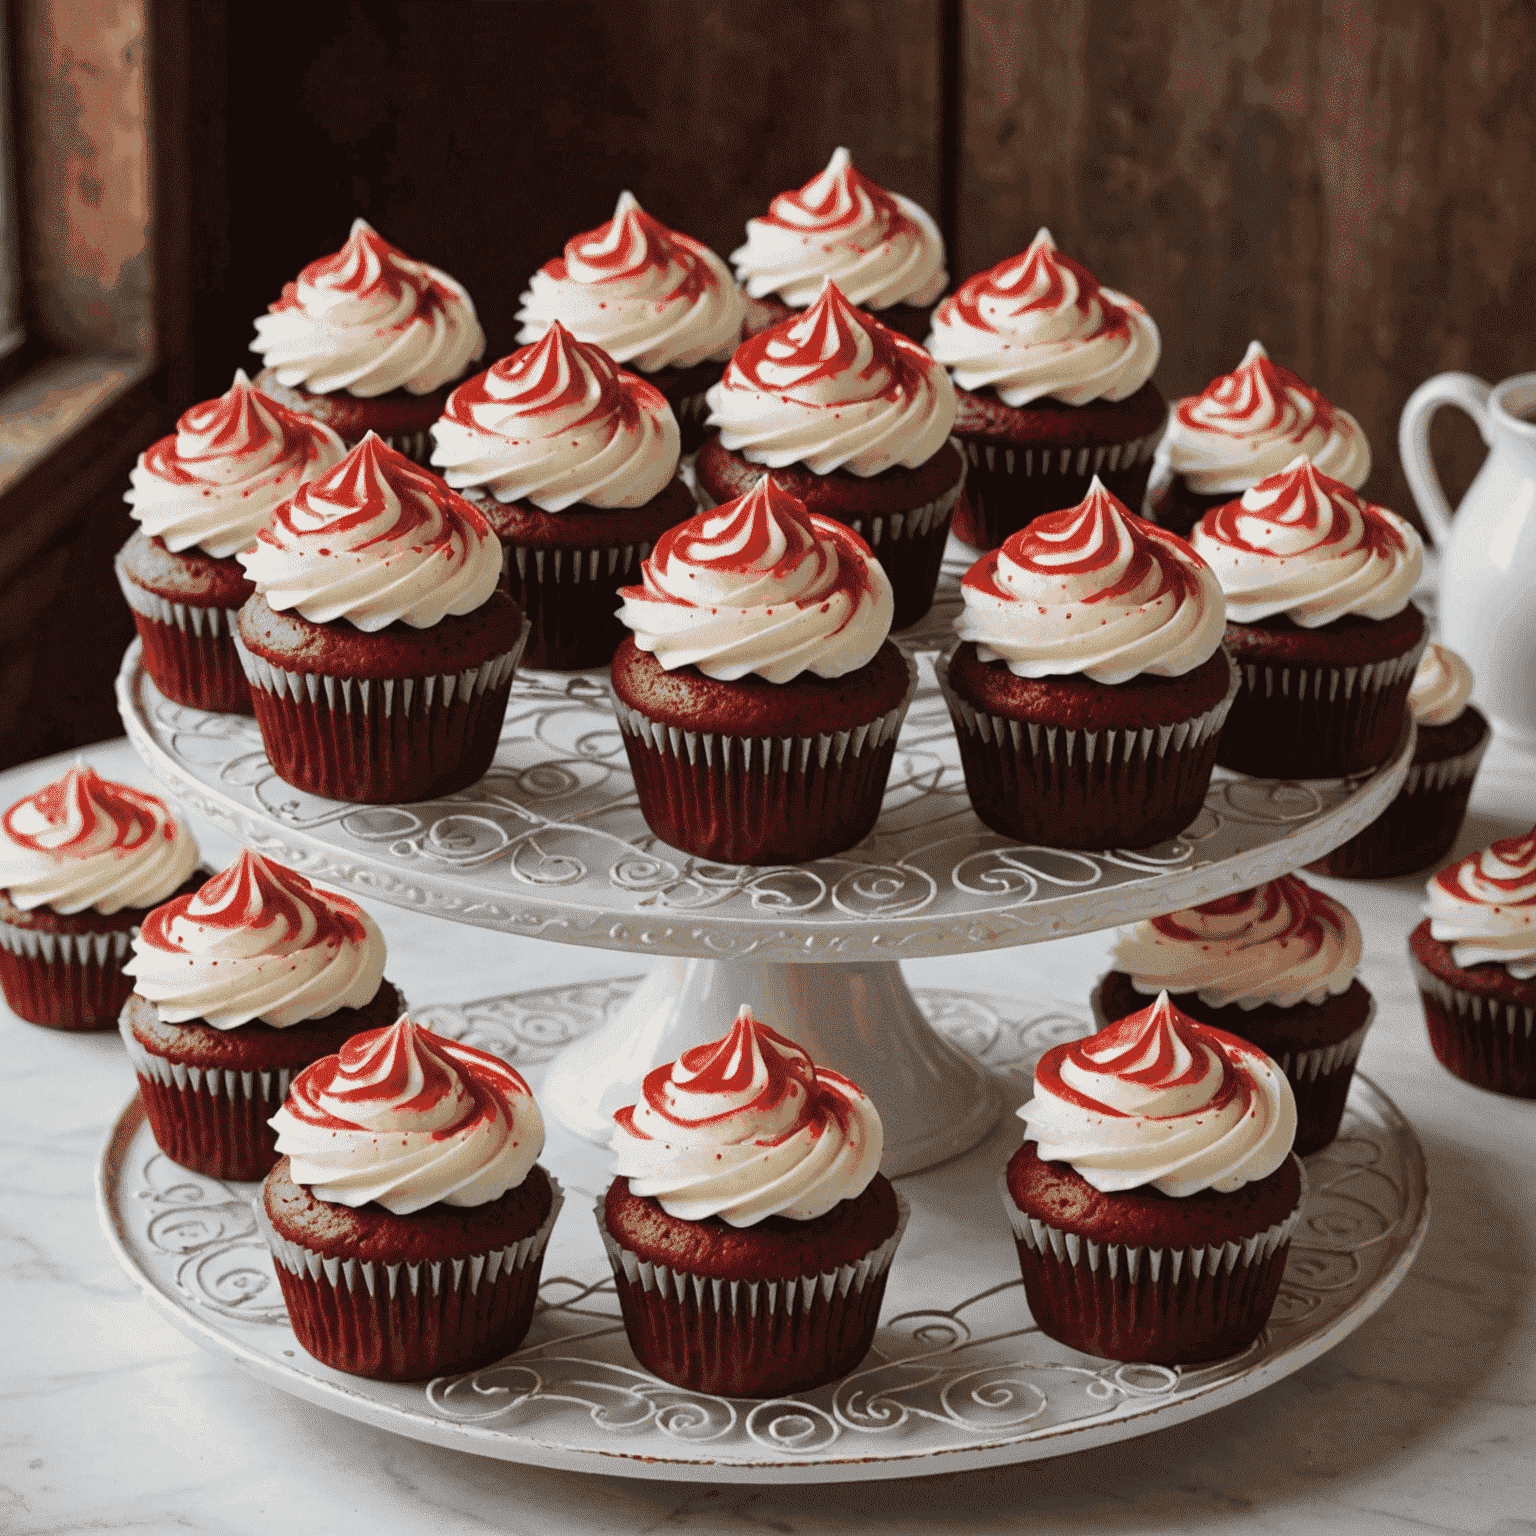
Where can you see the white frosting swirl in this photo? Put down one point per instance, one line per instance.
(556, 424)
(759, 585)
(368, 320)
(1442, 686)
(1161, 1100)
(1093, 591)
(375, 540)
(642, 292)
(833, 389)
(1484, 906)
(257, 941)
(880, 248)
(408, 1119)
(84, 841)
(1040, 325)
(1306, 546)
(212, 482)
(745, 1128)
(1281, 942)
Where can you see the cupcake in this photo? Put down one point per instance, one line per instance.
(652, 299)
(378, 646)
(759, 699)
(573, 463)
(1054, 388)
(853, 420)
(82, 861)
(235, 989)
(1417, 830)
(1319, 623)
(1474, 958)
(1089, 687)
(1154, 1201)
(1242, 428)
(369, 340)
(749, 1226)
(200, 496)
(1275, 965)
(883, 251)
(407, 1216)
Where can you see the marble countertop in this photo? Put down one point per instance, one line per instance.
(1423, 1418)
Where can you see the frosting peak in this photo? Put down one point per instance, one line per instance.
(1484, 906)
(1442, 686)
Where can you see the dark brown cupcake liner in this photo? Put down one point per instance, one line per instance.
(751, 1338)
(1485, 1041)
(407, 1322)
(189, 650)
(571, 598)
(70, 981)
(1056, 787)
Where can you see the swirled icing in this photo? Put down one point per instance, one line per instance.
(369, 319)
(556, 424)
(1484, 906)
(213, 481)
(1040, 325)
(833, 389)
(745, 1128)
(759, 585)
(642, 292)
(375, 540)
(1303, 545)
(257, 941)
(880, 248)
(1092, 591)
(1281, 942)
(409, 1119)
(1442, 686)
(1252, 422)
(1159, 1099)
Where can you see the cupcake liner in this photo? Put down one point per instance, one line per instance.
(71, 981)
(1166, 1306)
(571, 598)
(1485, 1041)
(416, 446)
(381, 741)
(405, 1322)
(189, 650)
(760, 799)
(1086, 789)
(751, 1338)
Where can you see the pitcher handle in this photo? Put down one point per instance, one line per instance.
(1461, 389)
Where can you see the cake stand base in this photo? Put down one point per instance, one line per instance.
(858, 1018)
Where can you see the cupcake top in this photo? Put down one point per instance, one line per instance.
(1301, 544)
(368, 320)
(213, 481)
(257, 941)
(833, 389)
(1442, 686)
(642, 292)
(880, 248)
(1093, 591)
(760, 585)
(1039, 325)
(1281, 943)
(1160, 1099)
(409, 1119)
(556, 424)
(1252, 422)
(84, 841)
(745, 1128)
(1484, 906)
(374, 541)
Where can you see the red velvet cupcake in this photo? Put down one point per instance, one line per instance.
(82, 862)
(408, 1219)
(379, 648)
(1153, 1204)
(1090, 686)
(369, 340)
(749, 1228)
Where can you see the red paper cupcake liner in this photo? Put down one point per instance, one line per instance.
(70, 981)
(1485, 1041)
(570, 598)
(408, 1322)
(189, 650)
(744, 1338)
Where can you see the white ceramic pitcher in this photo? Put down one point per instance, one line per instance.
(1488, 552)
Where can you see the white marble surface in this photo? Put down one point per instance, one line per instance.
(1424, 1418)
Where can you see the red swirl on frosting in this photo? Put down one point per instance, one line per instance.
(1257, 396)
(368, 267)
(80, 807)
(841, 197)
(631, 243)
(1498, 875)
(1009, 290)
(1306, 918)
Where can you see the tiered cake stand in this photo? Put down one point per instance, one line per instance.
(551, 844)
